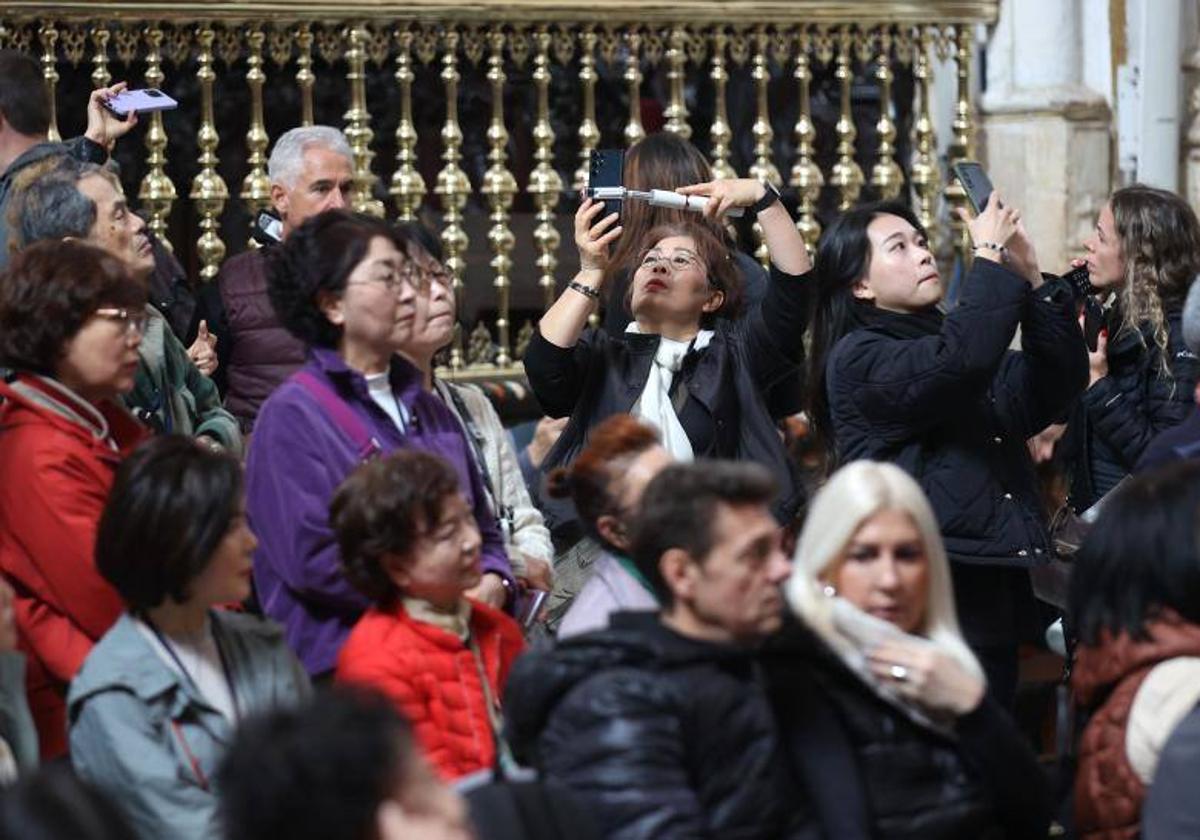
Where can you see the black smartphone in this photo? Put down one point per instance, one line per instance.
(607, 170)
(976, 183)
(1093, 322)
(1080, 281)
(268, 229)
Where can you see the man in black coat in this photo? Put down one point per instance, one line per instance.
(660, 723)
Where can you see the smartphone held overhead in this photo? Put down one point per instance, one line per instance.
(140, 101)
(975, 183)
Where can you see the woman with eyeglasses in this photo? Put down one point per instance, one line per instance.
(70, 324)
(341, 283)
(683, 366)
(525, 534)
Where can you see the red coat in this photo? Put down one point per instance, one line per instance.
(434, 680)
(56, 476)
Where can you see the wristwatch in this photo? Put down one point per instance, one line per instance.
(770, 196)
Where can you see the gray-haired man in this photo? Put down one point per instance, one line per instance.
(311, 170)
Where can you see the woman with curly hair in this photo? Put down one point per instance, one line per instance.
(1144, 252)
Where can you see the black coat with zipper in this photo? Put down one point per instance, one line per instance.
(944, 397)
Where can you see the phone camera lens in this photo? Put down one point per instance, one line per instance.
(153, 92)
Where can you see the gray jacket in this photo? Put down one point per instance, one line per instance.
(16, 723)
(143, 735)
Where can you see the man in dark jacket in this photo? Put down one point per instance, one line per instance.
(1183, 441)
(660, 723)
(311, 170)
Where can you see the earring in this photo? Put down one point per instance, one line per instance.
(830, 590)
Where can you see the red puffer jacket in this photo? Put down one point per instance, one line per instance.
(434, 678)
(58, 464)
(1106, 677)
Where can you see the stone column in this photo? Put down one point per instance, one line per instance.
(1190, 156)
(1045, 135)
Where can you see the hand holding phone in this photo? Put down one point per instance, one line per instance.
(607, 169)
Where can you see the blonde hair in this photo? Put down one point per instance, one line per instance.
(853, 495)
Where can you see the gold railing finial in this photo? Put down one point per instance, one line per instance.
(676, 112)
(847, 175)
(453, 187)
(962, 145)
(156, 193)
(500, 187)
(924, 168)
(408, 186)
(49, 38)
(763, 168)
(208, 188)
(720, 134)
(305, 79)
(589, 131)
(256, 187)
(545, 185)
(358, 122)
(100, 75)
(634, 130)
(886, 175)
(806, 174)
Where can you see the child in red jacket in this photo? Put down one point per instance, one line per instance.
(409, 542)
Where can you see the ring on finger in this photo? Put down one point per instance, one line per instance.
(899, 673)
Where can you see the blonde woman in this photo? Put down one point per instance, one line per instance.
(876, 683)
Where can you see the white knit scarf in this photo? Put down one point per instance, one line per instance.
(654, 405)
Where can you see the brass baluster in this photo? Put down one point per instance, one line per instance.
(49, 37)
(886, 176)
(256, 188)
(806, 174)
(156, 192)
(924, 170)
(407, 184)
(720, 134)
(305, 79)
(847, 175)
(545, 185)
(358, 122)
(962, 144)
(452, 184)
(676, 112)
(589, 131)
(634, 131)
(763, 168)
(100, 75)
(208, 188)
(500, 186)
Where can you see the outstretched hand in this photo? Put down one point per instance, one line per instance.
(593, 237)
(726, 193)
(103, 126)
(927, 675)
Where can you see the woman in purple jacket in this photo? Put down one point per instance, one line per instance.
(339, 284)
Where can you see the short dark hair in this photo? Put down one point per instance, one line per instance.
(679, 509)
(23, 100)
(382, 508)
(49, 291)
(54, 803)
(1142, 556)
(48, 204)
(713, 253)
(171, 504)
(319, 771)
(318, 257)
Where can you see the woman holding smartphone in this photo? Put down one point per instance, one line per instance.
(892, 378)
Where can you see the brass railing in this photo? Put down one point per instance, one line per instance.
(272, 58)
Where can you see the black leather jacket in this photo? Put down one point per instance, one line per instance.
(722, 408)
(661, 736)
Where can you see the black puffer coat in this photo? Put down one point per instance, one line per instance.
(947, 400)
(978, 780)
(660, 735)
(1121, 413)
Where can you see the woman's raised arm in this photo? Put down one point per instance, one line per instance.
(564, 321)
(784, 242)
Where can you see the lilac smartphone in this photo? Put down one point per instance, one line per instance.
(147, 99)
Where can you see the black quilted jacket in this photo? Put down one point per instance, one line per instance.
(661, 736)
(947, 400)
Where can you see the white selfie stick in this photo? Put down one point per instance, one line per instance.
(659, 198)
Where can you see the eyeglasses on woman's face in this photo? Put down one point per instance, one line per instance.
(676, 261)
(133, 321)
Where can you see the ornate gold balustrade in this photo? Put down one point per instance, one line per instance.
(544, 83)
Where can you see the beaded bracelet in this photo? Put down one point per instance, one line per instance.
(992, 246)
(586, 291)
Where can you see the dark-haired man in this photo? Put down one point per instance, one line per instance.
(25, 123)
(660, 722)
